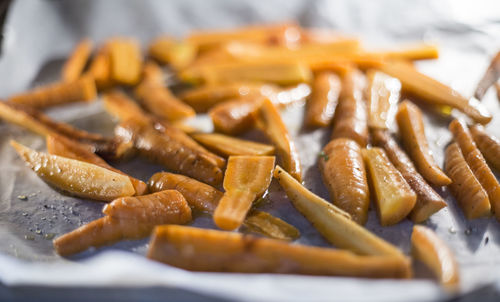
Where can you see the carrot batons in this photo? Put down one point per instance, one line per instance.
(477, 164)
(344, 175)
(126, 61)
(75, 64)
(412, 132)
(433, 91)
(394, 197)
(126, 218)
(152, 73)
(320, 107)
(266, 224)
(235, 117)
(166, 50)
(75, 177)
(100, 68)
(350, 120)
(467, 190)
(488, 145)
(428, 201)
(82, 89)
(383, 95)
(209, 250)
(433, 252)
(246, 178)
(227, 145)
(270, 122)
(489, 78)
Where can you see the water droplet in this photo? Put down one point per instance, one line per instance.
(452, 230)
(22, 197)
(49, 236)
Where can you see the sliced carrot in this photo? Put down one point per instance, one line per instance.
(228, 146)
(383, 96)
(126, 60)
(320, 107)
(75, 64)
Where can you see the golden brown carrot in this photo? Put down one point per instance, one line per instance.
(211, 250)
(123, 108)
(246, 178)
(491, 75)
(383, 95)
(469, 193)
(160, 101)
(100, 69)
(65, 147)
(126, 218)
(497, 87)
(82, 89)
(320, 107)
(411, 53)
(270, 122)
(126, 60)
(75, 64)
(344, 175)
(394, 197)
(179, 54)
(478, 165)
(75, 177)
(152, 73)
(434, 92)
(235, 117)
(428, 201)
(333, 223)
(432, 251)
(489, 145)
(227, 145)
(412, 132)
(266, 224)
(350, 120)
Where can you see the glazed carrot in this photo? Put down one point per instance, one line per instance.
(411, 53)
(477, 164)
(488, 144)
(434, 92)
(270, 122)
(65, 147)
(168, 147)
(126, 60)
(126, 218)
(497, 87)
(123, 108)
(75, 177)
(383, 95)
(266, 224)
(179, 54)
(412, 132)
(82, 89)
(427, 247)
(152, 73)
(469, 193)
(227, 145)
(490, 77)
(344, 175)
(246, 178)
(159, 100)
(235, 117)
(100, 69)
(320, 107)
(75, 64)
(394, 197)
(350, 120)
(209, 250)
(333, 223)
(428, 201)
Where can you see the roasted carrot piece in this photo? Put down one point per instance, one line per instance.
(235, 117)
(320, 107)
(350, 120)
(270, 226)
(159, 100)
(246, 178)
(100, 68)
(491, 75)
(394, 197)
(488, 144)
(75, 177)
(126, 60)
(179, 54)
(332, 222)
(65, 147)
(344, 175)
(227, 145)
(411, 53)
(433, 91)
(152, 73)
(412, 132)
(75, 64)
(211, 250)
(383, 95)
(126, 218)
(123, 108)
(270, 122)
(82, 89)
(477, 163)
(428, 201)
(427, 247)
(469, 193)
(497, 87)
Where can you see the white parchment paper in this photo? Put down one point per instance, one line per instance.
(38, 36)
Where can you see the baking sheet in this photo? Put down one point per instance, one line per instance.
(38, 36)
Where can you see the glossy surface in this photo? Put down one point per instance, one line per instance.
(382, 97)
(234, 117)
(126, 60)
(490, 77)
(266, 224)
(227, 145)
(488, 144)
(321, 104)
